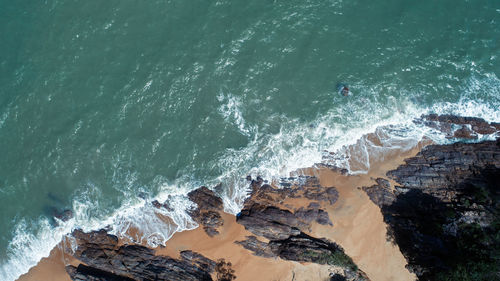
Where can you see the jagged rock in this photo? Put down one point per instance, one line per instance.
(159, 205)
(64, 215)
(380, 193)
(198, 259)
(465, 133)
(342, 171)
(207, 212)
(223, 270)
(156, 204)
(86, 273)
(303, 247)
(313, 214)
(329, 194)
(103, 258)
(266, 214)
(445, 208)
(269, 221)
(467, 127)
(256, 246)
(438, 167)
(383, 183)
(275, 223)
(293, 187)
(205, 199)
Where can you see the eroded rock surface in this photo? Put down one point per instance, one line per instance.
(444, 213)
(105, 260)
(208, 209)
(444, 170)
(458, 126)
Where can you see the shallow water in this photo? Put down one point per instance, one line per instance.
(105, 105)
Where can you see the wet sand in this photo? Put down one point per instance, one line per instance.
(358, 228)
(50, 268)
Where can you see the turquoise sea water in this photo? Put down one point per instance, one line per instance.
(106, 105)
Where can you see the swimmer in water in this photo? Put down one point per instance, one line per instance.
(345, 91)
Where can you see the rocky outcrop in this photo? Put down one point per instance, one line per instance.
(300, 247)
(207, 211)
(269, 221)
(293, 187)
(458, 126)
(304, 248)
(87, 273)
(444, 212)
(104, 259)
(267, 215)
(444, 170)
(380, 193)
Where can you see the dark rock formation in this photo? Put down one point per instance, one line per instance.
(443, 170)
(87, 273)
(275, 223)
(444, 214)
(304, 248)
(380, 193)
(270, 222)
(465, 133)
(159, 205)
(313, 213)
(63, 215)
(459, 127)
(207, 212)
(293, 187)
(258, 247)
(224, 271)
(329, 194)
(342, 171)
(105, 260)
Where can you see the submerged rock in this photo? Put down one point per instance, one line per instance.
(64, 215)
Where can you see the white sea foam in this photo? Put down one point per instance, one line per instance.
(28, 246)
(230, 109)
(296, 145)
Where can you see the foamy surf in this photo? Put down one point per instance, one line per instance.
(353, 145)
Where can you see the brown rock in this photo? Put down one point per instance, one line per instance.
(465, 133)
(105, 260)
(207, 212)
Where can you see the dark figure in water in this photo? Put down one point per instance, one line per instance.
(345, 91)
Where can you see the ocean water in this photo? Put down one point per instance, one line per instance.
(107, 105)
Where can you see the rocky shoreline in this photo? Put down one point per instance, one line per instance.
(279, 230)
(441, 209)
